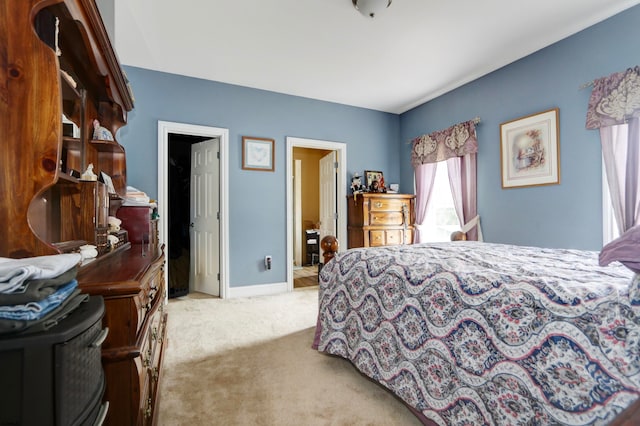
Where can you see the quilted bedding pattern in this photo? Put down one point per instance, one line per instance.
(479, 333)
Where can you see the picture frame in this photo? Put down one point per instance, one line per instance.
(106, 179)
(258, 154)
(530, 150)
(370, 176)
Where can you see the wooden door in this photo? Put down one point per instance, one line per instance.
(204, 227)
(328, 202)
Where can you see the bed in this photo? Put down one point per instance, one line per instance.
(479, 333)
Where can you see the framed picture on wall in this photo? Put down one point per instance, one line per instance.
(530, 150)
(258, 154)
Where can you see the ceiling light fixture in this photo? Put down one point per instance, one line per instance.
(370, 8)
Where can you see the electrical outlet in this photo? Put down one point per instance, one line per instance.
(267, 262)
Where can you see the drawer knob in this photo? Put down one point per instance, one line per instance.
(378, 204)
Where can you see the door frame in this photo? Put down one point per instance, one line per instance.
(166, 127)
(341, 192)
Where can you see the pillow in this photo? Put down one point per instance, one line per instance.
(625, 249)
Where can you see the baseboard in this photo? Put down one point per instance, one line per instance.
(257, 290)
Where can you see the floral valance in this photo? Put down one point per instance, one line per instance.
(614, 99)
(456, 141)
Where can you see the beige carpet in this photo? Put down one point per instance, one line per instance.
(249, 362)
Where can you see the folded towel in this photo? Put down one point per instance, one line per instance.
(38, 289)
(49, 320)
(36, 310)
(14, 272)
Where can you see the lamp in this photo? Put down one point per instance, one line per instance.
(370, 8)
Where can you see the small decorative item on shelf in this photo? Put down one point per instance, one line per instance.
(88, 251)
(101, 133)
(114, 224)
(356, 184)
(106, 179)
(88, 174)
(102, 242)
(113, 241)
(381, 186)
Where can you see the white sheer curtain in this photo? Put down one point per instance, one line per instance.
(614, 109)
(425, 176)
(621, 152)
(462, 179)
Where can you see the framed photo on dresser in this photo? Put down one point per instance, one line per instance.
(371, 176)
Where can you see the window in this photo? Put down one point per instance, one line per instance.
(609, 226)
(441, 218)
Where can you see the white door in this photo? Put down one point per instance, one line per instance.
(328, 202)
(297, 212)
(204, 226)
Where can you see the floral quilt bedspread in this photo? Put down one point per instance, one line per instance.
(479, 333)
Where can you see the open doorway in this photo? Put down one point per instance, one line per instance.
(193, 250)
(316, 203)
(307, 183)
(192, 173)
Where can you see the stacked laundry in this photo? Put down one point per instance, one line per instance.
(37, 292)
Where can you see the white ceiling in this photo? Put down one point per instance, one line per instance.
(324, 49)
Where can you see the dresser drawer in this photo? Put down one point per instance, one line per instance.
(376, 238)
(394, 237)
(386, 204)
(386, 237)
(386, 218)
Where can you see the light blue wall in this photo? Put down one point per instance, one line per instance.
(565, 215)
(257, 200)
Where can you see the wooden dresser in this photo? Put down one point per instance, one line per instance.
(380, 219)
(132, 284)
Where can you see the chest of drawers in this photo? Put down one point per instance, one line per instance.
(380, 219)
(132, 285)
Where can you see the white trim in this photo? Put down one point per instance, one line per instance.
(166, 127)
(341, 192)
(257, 290)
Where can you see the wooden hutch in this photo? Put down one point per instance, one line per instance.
(57, 64)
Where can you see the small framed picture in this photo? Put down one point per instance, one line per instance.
(373, 180)
(258, 154)
(530, 150)
(107, 181)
